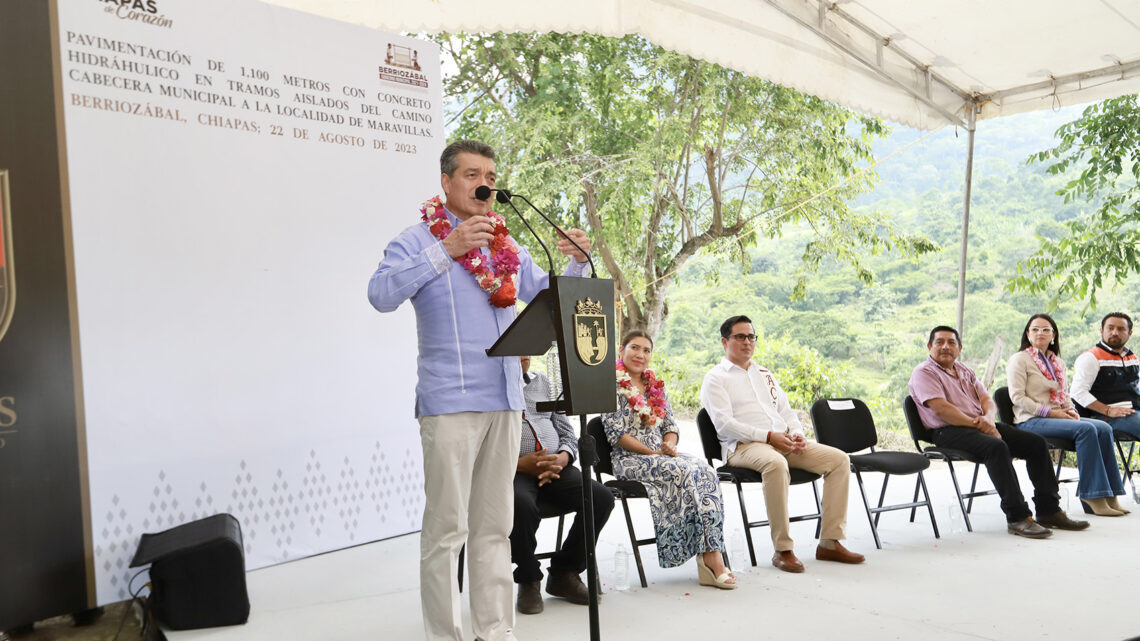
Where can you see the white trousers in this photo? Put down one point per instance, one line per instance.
(469, 467)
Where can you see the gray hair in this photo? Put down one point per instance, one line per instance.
(447, 160)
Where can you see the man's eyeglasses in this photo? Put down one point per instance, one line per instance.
(750, 338)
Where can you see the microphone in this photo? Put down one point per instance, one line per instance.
(593, 271)
(483, 192)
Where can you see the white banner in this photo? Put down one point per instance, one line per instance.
(235, 171)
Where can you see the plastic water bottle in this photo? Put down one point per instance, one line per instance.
(621, 568)
(738, 550)
(1063, 494)
(955, 521)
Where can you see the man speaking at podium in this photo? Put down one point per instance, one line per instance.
(463, 272)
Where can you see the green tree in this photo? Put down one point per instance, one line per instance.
(802, 371)
(826, 333)
(662, 156)
(879, 303)
(1100, 247)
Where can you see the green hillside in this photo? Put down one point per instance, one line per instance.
(849, 338)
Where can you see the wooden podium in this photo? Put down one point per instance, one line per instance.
(578, 313)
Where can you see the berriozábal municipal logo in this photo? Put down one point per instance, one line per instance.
(590, 332)
(402, 66)
(145, 11)
(7, 275)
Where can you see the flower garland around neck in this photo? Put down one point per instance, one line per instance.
(651, 409)
(1055, 371)
(496, 278)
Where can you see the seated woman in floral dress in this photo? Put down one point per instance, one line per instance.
(684, 492)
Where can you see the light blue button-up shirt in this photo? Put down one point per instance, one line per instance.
(455, 323)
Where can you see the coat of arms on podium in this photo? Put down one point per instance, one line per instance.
(591, 336)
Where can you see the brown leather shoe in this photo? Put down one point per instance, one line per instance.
(1061, 521)
(530, 597)
(840, 554)
(787, 561)
(1029, 528)
(567, 585)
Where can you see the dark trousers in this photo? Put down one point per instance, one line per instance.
(564, 493)
(997, 455)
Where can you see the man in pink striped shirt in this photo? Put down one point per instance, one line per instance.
(956, 408)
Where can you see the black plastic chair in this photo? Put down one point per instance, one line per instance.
(918, 432)
(1121, 438)
(1005, 415)
(847, 424)
(623, 490)
(738, 476)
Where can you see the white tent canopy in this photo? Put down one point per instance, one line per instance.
(921, 64)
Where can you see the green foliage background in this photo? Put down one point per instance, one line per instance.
(846, 337)
(662, 157)
(844, 291)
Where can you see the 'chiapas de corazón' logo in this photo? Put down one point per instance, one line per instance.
(145, 11)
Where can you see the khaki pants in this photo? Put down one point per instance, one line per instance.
(832, 463)
(469, 467)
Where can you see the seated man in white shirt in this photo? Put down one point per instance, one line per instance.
(759, 430)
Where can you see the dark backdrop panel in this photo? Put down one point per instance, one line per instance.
(42, 533)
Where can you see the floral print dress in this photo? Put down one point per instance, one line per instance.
(684, 492)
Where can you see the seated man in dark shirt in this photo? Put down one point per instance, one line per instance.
(548, 447)
(1105, 378)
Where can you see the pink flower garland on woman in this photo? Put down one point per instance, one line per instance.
(651, 409)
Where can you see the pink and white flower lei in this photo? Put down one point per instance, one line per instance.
(1058, 397)
(497, 279)
(651, 409)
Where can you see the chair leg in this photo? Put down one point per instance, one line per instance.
(747, 529)
(973, 487)
(1060, 459)
(1128, 463)
(958, 493)
(867, 508)
(818, 510)
(1127, 474)
(915, 499)
(633, 542)
(929, 505)
(462, 553)
(882, 495)
(561, 524)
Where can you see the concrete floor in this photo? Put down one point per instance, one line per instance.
(981, 585)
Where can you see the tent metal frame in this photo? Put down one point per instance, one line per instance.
(835, 26)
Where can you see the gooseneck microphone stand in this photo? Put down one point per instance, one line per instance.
(544, 319)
